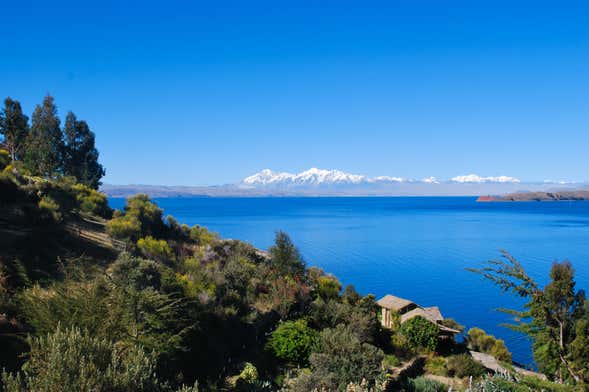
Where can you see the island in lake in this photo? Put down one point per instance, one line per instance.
(539, 196)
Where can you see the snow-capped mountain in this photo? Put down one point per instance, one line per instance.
(473, 178)
(318, 177)
(321, 182)
(335, 182)
(312, 176)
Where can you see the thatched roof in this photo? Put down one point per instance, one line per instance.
(394, 303)
(431, 314)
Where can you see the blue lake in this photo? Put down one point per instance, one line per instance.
(412, 247)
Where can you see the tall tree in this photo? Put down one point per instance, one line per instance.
(556, 316)
(81, 155)
(13, 127)
(45, 142)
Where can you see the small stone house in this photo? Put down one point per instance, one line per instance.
(399, 309)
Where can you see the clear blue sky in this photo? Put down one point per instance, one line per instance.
(208, 92)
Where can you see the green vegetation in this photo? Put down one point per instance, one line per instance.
(556, 317)
(47, 150)
(422, 384)
(75, 361)
(293, 342)
(478, 340)
(462, 365)
(98, 300)
(420, 333)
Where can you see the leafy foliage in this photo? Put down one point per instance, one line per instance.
(340, 358)
(14, 129)
(478, 340)
(293, 342)
(80, 156)
(73, 360)
(285, 257)
(422, 384)
(154, 249)
(44, 150)
(420, 333)
(554, 317)
(463, 365)
(141, 218)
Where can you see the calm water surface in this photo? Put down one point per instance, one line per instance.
(412, 247)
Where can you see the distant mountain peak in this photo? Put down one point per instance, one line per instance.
(474, 178)
(315, 177)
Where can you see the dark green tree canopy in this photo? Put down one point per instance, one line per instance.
(80, 153)
(45, 145)
(285, 257)
(555, 317)
(13, 127)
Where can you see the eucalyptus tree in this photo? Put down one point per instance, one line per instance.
(555, 316)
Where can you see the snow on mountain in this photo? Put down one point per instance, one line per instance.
(267, 176)
(316, 176)
(386, 179)
(312, 176)
(473, 178)
(430, 180)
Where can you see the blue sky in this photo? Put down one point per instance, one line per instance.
(201, 93)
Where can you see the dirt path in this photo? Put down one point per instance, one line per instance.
(491, 363)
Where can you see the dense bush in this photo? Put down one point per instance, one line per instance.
(49, 205)
(202, 236)
(124, 227)
(478, 340)
(73, 360)
(328, 287)
(340, 358)
(507, 383)
(420, 333)
(422, 384)
(91, 201)
(154, 249)
(285, 257)
(463, 365)
(141, 218)
(293, 342)
(436, 365)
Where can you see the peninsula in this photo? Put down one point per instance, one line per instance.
(579, 195)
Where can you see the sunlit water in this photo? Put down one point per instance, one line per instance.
(412, 247)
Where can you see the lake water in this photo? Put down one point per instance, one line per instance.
(413, 247)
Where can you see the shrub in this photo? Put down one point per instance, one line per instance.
(390, 361)
(202, 236)
(463, 365)
(249, 374)
(293, 342)
(76, 360)
(328, 287)
(420, 333)
(124, 227)
(91, 201)
(50, 205)
(142, 218)
(155, 249)
(451, 323)
(422, 384)
(340, 358)
(285, 257)
(478, 340)
(436, 365)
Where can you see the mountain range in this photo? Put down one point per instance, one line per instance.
(322, 182)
